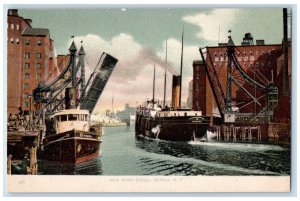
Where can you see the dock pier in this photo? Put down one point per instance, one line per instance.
(259, 133)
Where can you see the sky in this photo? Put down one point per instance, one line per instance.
(137, 38)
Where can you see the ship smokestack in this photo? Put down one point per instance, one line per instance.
(81, 54)
(176, 91)
(70, 98)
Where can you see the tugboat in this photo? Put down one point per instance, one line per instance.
(68, 135)
(175, 123)
(74, 141)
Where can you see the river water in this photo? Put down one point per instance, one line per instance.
(122, 153)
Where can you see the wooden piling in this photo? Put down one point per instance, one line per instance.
(9, 164)
(250, 133)
(259, 133)
(33, 167)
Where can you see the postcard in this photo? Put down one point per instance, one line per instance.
(149, 99)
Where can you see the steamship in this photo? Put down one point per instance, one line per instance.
(174, 124)
(170, 123)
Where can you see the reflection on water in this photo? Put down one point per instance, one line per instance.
(125, 154)
(92, 167)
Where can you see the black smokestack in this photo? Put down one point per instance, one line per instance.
(176, 91)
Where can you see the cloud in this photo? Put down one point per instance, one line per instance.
(132, 78)
(210, 23)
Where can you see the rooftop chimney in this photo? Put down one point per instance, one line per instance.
(13, 12)
(260, 42)
(248, 39)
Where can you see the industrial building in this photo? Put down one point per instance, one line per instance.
(30, 60)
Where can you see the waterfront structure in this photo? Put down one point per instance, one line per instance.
(30, 59)
(262, 62)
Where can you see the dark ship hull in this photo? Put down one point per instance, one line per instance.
(172, 128)
(71, 147)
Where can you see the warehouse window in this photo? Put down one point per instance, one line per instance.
(38, 66)
(11, 40)
(27, 55)
(27, 65)
(17, 27)
(25, 95)
(38, 42)
(17, 41)
(26, 42)
(25, 104)
(27, 75)
(12, 26)
(38, 76)
(38, 55)
(25, 86)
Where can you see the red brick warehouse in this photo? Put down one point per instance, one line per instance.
(30, 59)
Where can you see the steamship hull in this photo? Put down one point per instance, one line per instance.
(73, 147)
(172, 129)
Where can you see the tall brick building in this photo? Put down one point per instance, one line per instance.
(30, 59)
(199, 87)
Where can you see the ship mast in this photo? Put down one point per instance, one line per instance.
(165, 83)
(153, 86)
(181, 68)
(112, 102)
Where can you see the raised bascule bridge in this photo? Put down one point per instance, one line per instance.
(244, 84)
(68, 90)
